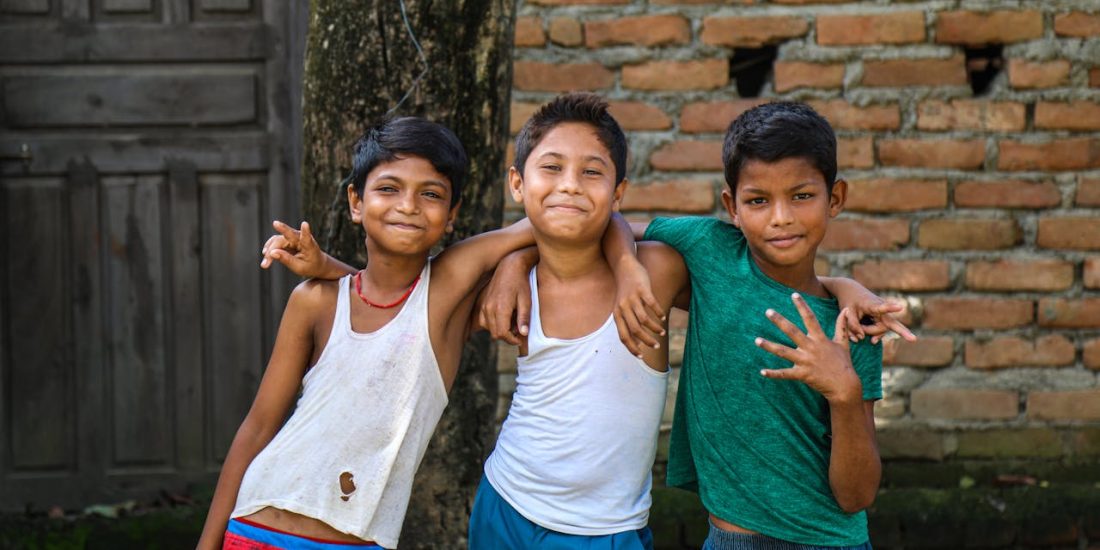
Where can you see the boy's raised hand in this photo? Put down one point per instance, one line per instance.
(294, 248)
(880, 315)
(638, 316)
(504, 307)
(822, 363)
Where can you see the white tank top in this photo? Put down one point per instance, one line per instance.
(368, 408)
(575, 453)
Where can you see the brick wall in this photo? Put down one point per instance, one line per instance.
(970, 133)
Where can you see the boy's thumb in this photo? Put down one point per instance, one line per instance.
(840, 334)
(523, 317)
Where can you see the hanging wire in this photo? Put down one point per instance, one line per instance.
(420, 54)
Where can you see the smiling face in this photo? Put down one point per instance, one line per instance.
(405, 207)
(568, 185)
(783, 208)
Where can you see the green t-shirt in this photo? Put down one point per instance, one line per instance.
(756, 449)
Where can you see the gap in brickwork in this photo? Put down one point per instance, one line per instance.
(750, 67)
(983, 64)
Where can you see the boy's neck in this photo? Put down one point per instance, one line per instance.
(801, 277)
(568, 262)
(386, 272)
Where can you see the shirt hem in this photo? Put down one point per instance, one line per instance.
(297, 508)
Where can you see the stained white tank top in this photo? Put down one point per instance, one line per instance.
(368, 408)
(576, 451)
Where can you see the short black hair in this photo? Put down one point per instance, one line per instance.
(775, 131)
(582, 107)
(414, 136)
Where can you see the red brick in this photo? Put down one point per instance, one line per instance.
(791, 75)
(1064, 405)
(1007, 194)
(1091, 276)
(890, 195)
(967, 114)
(529, 32)
(521, 112)
(1029, 75)
(1088, 192)
(932, 153)
(915, 72)
(1010, 443)
(845, 116)
(961, 404)
(901, 27)
(751, 32)
(564, 77)
(855, 152)
(704, 74)
(913, 275)
(995, 27)
(1069, 312)
(1091, 355)
(876, 234)
(688, 156)
(672, 196)
(802, 2)
(566, 31)
(646, 30)
(1012, 351)
(1020, 275)
(976, 313)
(1076, 115)
(963, 234)
(929, 351)
(692, 2)
(1069, 233)
(1077, 24)
(1054, 155)
(572, 2)
(638, 115)
(714, 116)
(1094, 78)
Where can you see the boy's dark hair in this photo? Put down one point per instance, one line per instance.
(775, 131)
(406, 136)
(583, 107)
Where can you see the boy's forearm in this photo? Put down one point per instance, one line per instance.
(854, 466)
(618, 242)
(845, 290)
(334, 269)
(246, 445)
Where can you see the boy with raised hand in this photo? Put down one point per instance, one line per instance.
(777, 436)
(365, 362)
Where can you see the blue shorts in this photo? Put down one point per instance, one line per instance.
(720, 539)
(495, 525)
(242, 534)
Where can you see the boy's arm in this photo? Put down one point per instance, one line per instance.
(278, 388)
(299, 252)
(639, 317)
(868, 315)
(504, 307)
(826, 366)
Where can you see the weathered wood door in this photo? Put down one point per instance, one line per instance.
(145, 145)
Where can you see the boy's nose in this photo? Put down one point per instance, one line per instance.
(781, 214)
(569, 183)
(407, 203)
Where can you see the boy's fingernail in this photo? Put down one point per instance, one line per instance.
(758, 341)
(523, 330)
(657, 346)
(769, 312)
(796, 295)
(763, 373)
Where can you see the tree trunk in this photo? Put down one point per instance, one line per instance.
(360, 62)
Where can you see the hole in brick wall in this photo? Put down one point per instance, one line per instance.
(983, 64)
(749, 68)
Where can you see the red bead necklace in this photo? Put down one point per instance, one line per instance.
(359, 290)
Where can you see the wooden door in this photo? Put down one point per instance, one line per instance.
(145, 145)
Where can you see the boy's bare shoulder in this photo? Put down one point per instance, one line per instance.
(654, 254)
(314, 297)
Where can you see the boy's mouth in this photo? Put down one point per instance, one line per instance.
(784, 241)
(405, 226)
(568, 208)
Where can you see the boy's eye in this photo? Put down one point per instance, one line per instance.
(592, 172)
(387, 188)
(432, 195)
(803, 196)
(551, 167)
(756, 201)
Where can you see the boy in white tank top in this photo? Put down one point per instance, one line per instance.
(373, 356)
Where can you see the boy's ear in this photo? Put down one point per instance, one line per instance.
(730, 206)
(515, 184)
(355, 204)
(837, 198)
(620, 190)
(451, 217)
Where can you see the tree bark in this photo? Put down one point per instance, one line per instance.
(360, 61)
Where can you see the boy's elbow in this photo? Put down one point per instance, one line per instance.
(856, 503)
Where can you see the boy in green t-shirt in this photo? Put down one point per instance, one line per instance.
(781, 457)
